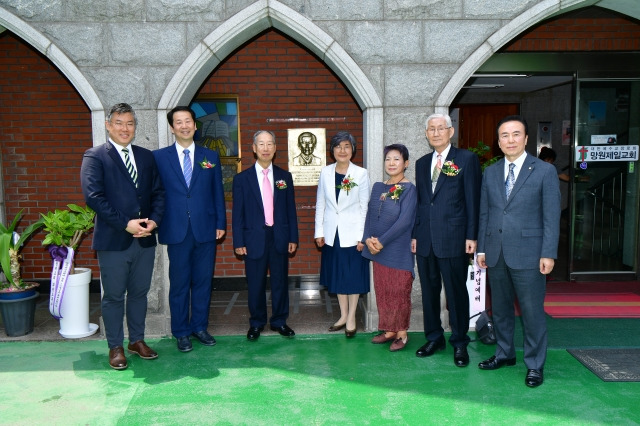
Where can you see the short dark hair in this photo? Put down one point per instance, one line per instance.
(122, 108)
(547, 153)
(508, 118)
(341, 137)
(396, 147)
(180, 108)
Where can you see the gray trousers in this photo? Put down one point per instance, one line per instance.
(126, 279)
(529, 285)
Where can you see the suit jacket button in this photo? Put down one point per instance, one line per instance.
(500, 231)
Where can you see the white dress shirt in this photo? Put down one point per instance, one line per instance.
(434, 159)
(119, 148)
(260, 175)
(516, 170)
(180, 149)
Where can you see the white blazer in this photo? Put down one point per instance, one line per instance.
(348, 214)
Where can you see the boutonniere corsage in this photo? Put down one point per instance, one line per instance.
(347, 184)
(280, 184)
(205, 164)
(450, 169)
(394, 193)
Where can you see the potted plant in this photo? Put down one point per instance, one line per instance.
(17, 297)
(482, 150)
(69, 299)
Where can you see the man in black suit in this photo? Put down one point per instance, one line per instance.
(265, 233)
(120, 182)
(444, 234)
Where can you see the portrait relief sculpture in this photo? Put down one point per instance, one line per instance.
(307, 149)
(307, 142)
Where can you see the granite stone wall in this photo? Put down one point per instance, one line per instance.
(401, 60)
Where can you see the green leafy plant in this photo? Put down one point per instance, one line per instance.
(67, 227)
(10, 245)
(481, 151)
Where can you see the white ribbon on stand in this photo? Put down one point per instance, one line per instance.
(476, 287)
(59, 275)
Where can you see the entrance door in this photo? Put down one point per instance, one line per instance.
(478, 123)
(604, 231)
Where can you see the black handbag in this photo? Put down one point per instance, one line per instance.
(484, 328)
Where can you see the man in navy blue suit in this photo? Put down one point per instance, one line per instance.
(120, 182)
(194, 219)
(265, 233)
(445, 234)
(518, 241)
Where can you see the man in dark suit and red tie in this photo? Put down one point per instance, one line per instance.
(194, 220)
(265, 233)
(445, 234)
(120, 182)
(518, 241)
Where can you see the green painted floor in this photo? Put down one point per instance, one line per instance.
(313, 379)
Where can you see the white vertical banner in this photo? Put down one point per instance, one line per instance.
(477, 289)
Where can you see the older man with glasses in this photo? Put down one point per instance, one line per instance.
(445, 234)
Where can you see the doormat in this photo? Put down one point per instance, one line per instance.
(592, 305)
(611, 365)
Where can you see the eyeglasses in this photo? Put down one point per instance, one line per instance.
(434, 130)
(122, 124)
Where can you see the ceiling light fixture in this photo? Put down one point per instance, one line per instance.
(501, 75)
(484, 86)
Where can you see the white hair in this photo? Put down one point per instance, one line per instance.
(446, 117)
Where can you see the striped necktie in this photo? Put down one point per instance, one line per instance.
(130, 168)
(436, 172)
(187, 169)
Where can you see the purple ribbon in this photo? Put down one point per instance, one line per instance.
(58, 253)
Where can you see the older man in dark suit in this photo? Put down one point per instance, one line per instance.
(265, 233)
(194, 219)
(120, 181)
(518, 240)
(445, 234)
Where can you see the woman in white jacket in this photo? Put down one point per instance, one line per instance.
(341, 210)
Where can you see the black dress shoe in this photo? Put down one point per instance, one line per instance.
(431, 347)
(254, 333)
(534, 378)
(493, 363)
(184, 344)
(460, 357)
(284, 330)
(204, 338)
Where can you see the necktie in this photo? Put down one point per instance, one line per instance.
(187, 170)
(130, 168)
(511, 180)
(436, 172)
(267, 198)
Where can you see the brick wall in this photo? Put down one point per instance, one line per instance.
(46, 127)
(589, 30)
(275, 78)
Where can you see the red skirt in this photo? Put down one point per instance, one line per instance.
(393, 297)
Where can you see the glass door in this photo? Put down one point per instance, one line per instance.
(604, 219)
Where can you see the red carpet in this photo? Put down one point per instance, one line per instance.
(593, 300)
